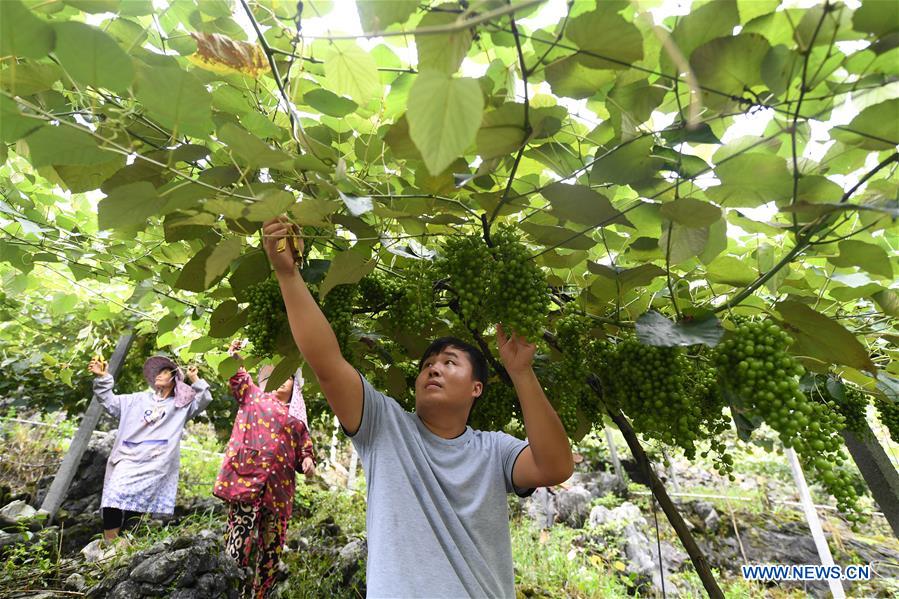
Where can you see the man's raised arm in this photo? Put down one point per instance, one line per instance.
(547, 459)
(311, 331)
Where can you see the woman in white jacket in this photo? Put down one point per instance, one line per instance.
(142, 470)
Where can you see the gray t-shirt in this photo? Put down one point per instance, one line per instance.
(437, 519)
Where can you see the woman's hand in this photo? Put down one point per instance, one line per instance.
(234, 348)
(308, 467)
(97, 367)
(282, 244)
(193, 375)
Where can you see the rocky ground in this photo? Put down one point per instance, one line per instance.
(611, 520)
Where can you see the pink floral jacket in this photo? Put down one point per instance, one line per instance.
(266, 449)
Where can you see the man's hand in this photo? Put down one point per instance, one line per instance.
(193, 375)
(97, 367)
(515, 352)
(308, 467)
(282, 244)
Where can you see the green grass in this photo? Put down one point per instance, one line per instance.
(548, 564)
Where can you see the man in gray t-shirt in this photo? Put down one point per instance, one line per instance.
(437, 521)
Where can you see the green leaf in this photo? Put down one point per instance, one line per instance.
(551, 236)
(128, 206)
(26, 79)
(92, 57)
(888, 300)
(220, 258)
(441, 52)
(255, 152)
(686, 242)
(283, 371)
(700, 134)
(580, 204)
(730, 271)
(21, 33)
(95, 6)
(604, 32)
(880, 120)
(623, 280)
(252, 269)
(654, 329)
(691, 212)
(502, 131)
(176, 99)
(226, 319)
(560, 158)
(350, 71)
(444, 115)
(64, 145)
(79, 178)
(397, 138)
(824, 338)
(329, 103)
(889, 386)
(570, 77)
(628, 164)
(348, 267)
(751, 180)
(227, 367)
(270, 204)
(729, 65)
(867, 256)
(12, 124)
(377, 15)
(712, 20)
(876, 16)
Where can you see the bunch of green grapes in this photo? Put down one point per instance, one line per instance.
(849, 407)
(338, 309)
(378, 292)
(266, 317)
(466, 264)
(495, 408)
(564, 394)
(649, 384)
(519, 295)
(853, 406)
(579, 359)
(704, 391)
(889, 416)
(414, 308)
(755, 365)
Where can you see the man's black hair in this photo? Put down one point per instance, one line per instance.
(475, 357)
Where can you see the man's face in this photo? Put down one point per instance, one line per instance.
(445, 380)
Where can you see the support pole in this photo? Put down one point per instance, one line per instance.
(613, 452)
(700, 563)
(59, 488)
(672, 475)
(877, 470)
(814, 523)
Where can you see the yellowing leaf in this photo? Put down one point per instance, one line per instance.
(221, 54)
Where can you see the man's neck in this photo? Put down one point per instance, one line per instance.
(444, 430)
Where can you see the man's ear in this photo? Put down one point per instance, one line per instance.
(478, 389)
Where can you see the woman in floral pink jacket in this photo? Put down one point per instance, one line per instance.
(258, 476)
